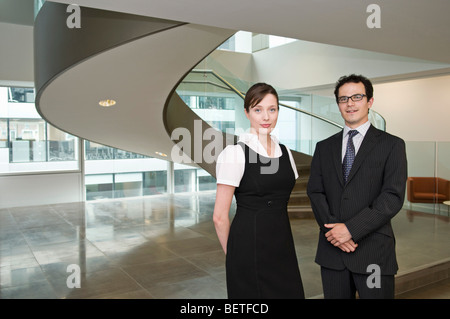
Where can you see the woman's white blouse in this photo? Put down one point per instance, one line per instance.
(231, 161)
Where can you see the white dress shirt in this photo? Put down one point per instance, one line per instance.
(357, 139)
(231, 161)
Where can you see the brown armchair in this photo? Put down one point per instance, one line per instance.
(428, 189)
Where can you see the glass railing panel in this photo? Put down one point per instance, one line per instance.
(323, 106)
(432, 161)
(238, 83)
(327, 108)
(37, 6)
(290, 134)
(221, 105)
(320, 130)
(377, 120)
(217, 96)
(211, 100)
(443, 172)
(296, 127)
(298, 101)
(421, 158)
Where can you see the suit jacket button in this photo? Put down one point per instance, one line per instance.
(269, 203)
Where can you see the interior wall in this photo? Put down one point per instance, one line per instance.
(416, 110)
(40, 189)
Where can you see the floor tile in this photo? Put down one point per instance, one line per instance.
(164, 246)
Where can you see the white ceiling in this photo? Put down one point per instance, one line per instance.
(412, 28)
(17, 11)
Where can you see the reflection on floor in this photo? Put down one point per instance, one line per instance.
(159, 247)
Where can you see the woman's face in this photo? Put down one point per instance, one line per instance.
(264, 115)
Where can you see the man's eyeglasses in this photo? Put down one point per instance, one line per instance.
(354, 97)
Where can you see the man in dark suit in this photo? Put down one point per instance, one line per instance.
(356, 249)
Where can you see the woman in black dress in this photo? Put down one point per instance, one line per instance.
(260, 255)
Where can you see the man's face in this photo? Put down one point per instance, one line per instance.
(354, 113)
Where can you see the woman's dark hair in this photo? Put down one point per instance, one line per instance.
(353, 78)
(256, 93)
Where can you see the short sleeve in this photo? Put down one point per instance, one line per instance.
(230, 166)
(294, 166)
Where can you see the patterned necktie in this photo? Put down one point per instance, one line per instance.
(349, 155)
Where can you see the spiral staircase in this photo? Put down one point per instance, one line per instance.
(138, 62)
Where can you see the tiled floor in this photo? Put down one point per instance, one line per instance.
(439, 290)
(159, 247)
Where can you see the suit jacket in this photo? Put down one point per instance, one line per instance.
(373, 195)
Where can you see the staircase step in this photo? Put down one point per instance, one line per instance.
(299, 187)
(422, 276)
(299, 198)
(300, 211)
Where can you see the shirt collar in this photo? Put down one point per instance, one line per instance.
(250, 137)
(362, 129)
(252, 141)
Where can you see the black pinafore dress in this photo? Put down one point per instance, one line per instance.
(261, 261)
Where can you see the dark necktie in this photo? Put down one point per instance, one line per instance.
(349, 155)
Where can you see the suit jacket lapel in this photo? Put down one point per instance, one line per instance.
(337, 156)
(368, 143)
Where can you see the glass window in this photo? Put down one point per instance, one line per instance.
(27, 142)
(96, 151)
(99, 186)
(130, 174)
(27, 138)
(3, 133)
(61, 146)
(154, 183)
(184, 180)
(36, 141)
(20, 95)
(205, 181)
(120, 185)
(127, 185)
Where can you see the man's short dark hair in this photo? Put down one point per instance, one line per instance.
(353, 78)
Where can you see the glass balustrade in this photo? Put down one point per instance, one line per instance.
(429, 168)
(219, 101)
(37, 6)
(304, 120)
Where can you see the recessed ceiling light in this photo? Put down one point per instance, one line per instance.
(161, 154)
(107, 103)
